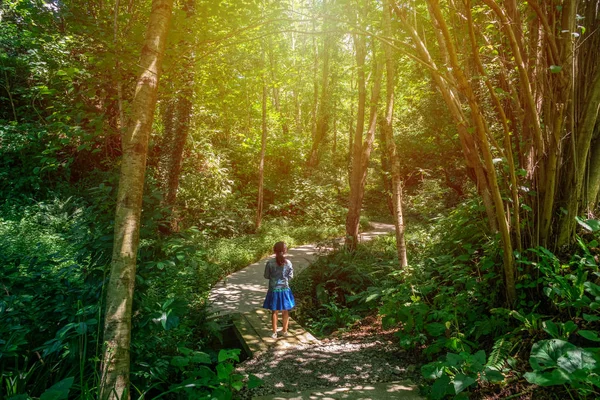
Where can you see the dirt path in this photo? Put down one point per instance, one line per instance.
(365, 363)
(245, 290)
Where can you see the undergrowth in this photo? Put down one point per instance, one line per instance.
(449, 310)
(55, 258)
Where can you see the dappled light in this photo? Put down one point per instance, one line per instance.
(299, 199)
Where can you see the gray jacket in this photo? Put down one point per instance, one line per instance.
(278, 276)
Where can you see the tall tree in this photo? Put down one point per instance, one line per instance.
(387, 129)
(362, 148)
(546, 110)
(263, 147)
(119, 294)
(323, 107)
(177, 115)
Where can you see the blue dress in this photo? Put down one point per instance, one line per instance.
(279, 297)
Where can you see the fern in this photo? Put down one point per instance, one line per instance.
(499, 354)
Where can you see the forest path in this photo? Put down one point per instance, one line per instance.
(368, 366)
(245, 290)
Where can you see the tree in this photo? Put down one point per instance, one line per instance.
(263, 147)
(119, 294)
(177, 115)
(362, 148)
(390, 150)
(546, 117)
(323, 105)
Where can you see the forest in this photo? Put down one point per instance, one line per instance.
(148, 149)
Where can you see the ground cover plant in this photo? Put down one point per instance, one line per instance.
(53, 302)
(447, 310)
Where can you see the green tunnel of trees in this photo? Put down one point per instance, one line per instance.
(215, 118)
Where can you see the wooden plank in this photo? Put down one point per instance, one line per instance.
(265, 331)
(253, 329)
(302, 333)
(293, 327)
(249, 338)
(261, 328)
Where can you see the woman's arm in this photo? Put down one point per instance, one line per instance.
(267, 273)
(290, 271)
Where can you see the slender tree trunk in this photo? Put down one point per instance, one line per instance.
(177, 121)
(261, 163)
(452, 99)
(481, 130)
(323, 112)
(121, 119)
(516, 226)
(119, 294)
(388, 133)
(362, 151)
(386, 166)
(593, 177)
(582, 149)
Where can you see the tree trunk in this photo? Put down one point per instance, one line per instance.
(445, 84)
(261, 163)
(481, 130)
(119, 294)
(362, 151)
(388, 134)
(593, 186)
(323, 112)
(177, 120)
(576, 201)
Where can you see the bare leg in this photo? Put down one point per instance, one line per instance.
(274, 320)
(285, 319)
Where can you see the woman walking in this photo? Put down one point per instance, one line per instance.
(279, 297)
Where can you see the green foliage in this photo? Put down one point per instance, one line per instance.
(332, 291)
(235, 253)
(202, 382)
(333, 318)
(458, 372)
(558, 362)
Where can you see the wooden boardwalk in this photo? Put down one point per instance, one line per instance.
(253, 329)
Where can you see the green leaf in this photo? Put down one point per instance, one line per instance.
(254, 381)
(454, 360)
(493, 375)
(433, 370)
(590, 335)
(545, 353)
(551, 329)
(589, 224)
(200, 358)
(556, 377)
(591, 318)
(237, 385)
(440, 387)
(229, 354)
(461, 382)
(179, 361)
(58, 391)
(224, 370)
(568, 328)
(435, 329)
(221, 393)
(555, 69)
(577, 359)
(479, 357)
(372, 297)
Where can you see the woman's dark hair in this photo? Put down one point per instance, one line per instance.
(279, 249)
